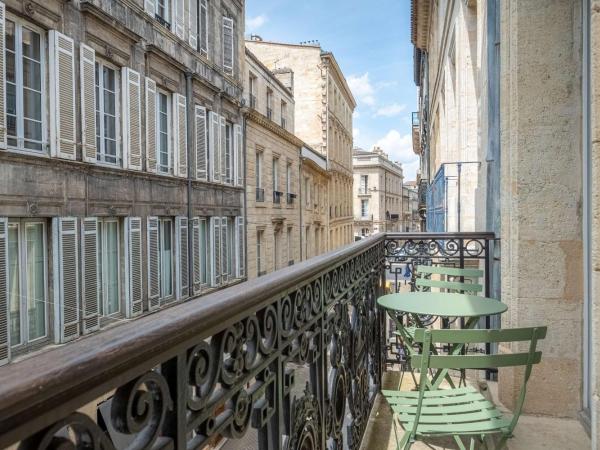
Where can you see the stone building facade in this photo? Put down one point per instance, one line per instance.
(324, 107)
(121, 161)
(273, 170)
(377, 193)
(411, 221)
(314, 202)
(505, 83)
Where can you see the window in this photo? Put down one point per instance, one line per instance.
(306, 243)
(106, 113)
(165, 253)
(199, 26)
(231, 246)
(228, 153)
(27, 262)
(364, 208)
(228, 47)
(163, 131)
(260, 192)
(203, 251)
(162, 11)
(276, 256)
(290, 250)
(288, 178)
(108, 255)
(269, 104)
(275, 174)
(283, 113)
(259, 242)
(25, 86)
(364, 184)
(307, 191)
(252, 90)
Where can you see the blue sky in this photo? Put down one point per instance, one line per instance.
(371, 42)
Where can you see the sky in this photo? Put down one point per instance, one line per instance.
(371, 43)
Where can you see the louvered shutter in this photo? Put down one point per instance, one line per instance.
(90, 287)
(178, 22)
(201, 143)
(180, 135)
(132, 126)
(153, 264)
(133, 258)
(240, 248)
(87, 63)
(193, 23)
(62, 95)
(214, 147)
(150, 125)
(228, 45)
(239, 155)
(204, 27)
(215, 251)
(225, 175)
(2, 79)
(181, 257)
(224, 251)
(150, 7)
(4, 314)
(196, 272)
(66, 278)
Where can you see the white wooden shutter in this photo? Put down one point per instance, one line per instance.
(238, 143)
(132, 125)
(2, 79)
(215, 251)
(66, 278)
(4, 314)
(62, 95)
(196, 270)
(181, 257)
(193, 23)
(214, 147)
(153, 264)
(150, 7)
(228, 45)
(90, 285)
(224, 251)
(180, 135)
(201, 143)
(133, 257)
(225, 175)
(150, 125)
(240, 248)
(178, 22)
(204, 27)
(87, 64)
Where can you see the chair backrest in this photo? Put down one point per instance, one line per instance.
(424, 281)
(429, 360)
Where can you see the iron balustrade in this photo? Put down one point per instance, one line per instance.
(260, 195)
(290, 198)
(292, 359)
(277, 197)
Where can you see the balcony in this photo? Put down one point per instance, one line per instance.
(277, 197)
(290, 198)
(259, 361)
(260, 195)
(416, 133)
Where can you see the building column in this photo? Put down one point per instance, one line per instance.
(541, 195)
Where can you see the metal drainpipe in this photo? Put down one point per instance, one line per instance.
(244, 121)
(189, 93)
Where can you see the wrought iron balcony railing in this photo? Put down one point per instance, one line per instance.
(260, 195)
(277, 197)
(292, 359)
(290, 198)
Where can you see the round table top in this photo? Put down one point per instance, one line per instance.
(442, 304)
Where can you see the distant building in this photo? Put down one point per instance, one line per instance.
(272, 172)
(411, 220)
(323, 119)
(377, 193)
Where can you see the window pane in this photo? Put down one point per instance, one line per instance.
(109, 79)
(32, 129)
(32, 74)
(32, 104)
(10, 35)
(203, 252)
(14, 284)
(35, 280)
(110, 130)
(109, 102)
(10, 67)
(31, 44)
(166, 259)
(111, 267)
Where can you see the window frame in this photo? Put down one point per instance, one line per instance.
(26, 343)
(275, 173)
(102, 221)
(19, 104)
(169, 112)
(168, 10)
(100, 124)
(161, 222)
(229, 153)
(259, 256)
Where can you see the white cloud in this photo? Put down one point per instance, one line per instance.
(355, 114)
(390, 110)
(254, 23)
(362, 89)
(399, 148)
(355, 133)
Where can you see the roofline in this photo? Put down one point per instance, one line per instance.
(330, 57)
(254, 58)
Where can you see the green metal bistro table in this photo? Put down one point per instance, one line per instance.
(418, 304)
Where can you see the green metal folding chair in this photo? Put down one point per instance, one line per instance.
(461, 412)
